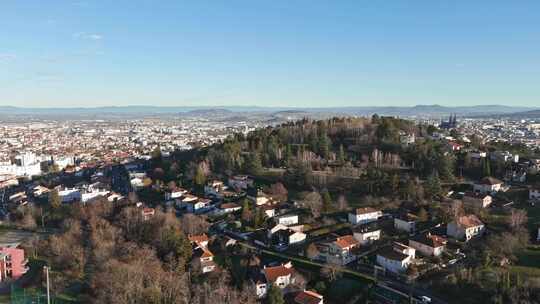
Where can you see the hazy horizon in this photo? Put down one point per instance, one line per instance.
(278, 54)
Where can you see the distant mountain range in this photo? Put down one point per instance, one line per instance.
(516, 115)
(433, 111)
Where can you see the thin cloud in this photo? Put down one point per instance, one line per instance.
(88, 36)
(6, 57)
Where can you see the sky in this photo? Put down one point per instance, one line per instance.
(269, 53)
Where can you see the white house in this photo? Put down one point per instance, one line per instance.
(228, 208)
(341, 251)
(405, 223)
(283, 236)
(205, 259)
(68, 195)
(287, 219)
(367, 236)
(477, 200)
(428, 244)
(87, 196)
(176, 193)
(465, 228)
(280, 276)
(488, 185)
(214, 188)
(364, 215)
(396, 258)
(137, 183)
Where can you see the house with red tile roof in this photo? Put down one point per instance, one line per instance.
(147, 213)
(342, 250)
(200, 240)
(428, 244)
(465, 227)
(280, 276)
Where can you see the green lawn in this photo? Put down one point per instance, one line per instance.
(528, 262)
(530, 258)
(342, 290)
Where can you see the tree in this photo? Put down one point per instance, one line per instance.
(433, 186)
(28, 221)
(312, 251)
(200, 177)
(486, 167)
(254, 164)
(327, 201)
(193, 224)
(423, 215)
(278, 191)
(258, 221)
(330, 271)
(518, 218)
(342, 203)
(246, 212)
(313, 201)
(54, 199)
(341, 154)
(275, 296)
(324, 145)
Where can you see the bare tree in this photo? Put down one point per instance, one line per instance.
(331, 271)
(313, 201)
(278, 191)
(193, 224)
(312, 251)
(517, 219)
(342, 203)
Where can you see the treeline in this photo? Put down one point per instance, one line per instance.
(363, 154)
(110, 253)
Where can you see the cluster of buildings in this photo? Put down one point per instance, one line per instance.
(36, 148)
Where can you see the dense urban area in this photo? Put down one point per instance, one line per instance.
(213, 209)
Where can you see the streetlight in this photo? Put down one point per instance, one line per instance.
(46, 268)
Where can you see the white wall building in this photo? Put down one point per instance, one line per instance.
(364, 215)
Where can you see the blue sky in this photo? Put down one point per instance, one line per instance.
(269, 53)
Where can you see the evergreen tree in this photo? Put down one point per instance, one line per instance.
(486, 167)
(341, 154)
(275, 296)
(433, 186)
(327, 201)
(254, 165)
(259, 218)
(200, 177)
(246, 211)
(324, 145)
(54, 199)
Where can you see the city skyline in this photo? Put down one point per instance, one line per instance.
(94, 53)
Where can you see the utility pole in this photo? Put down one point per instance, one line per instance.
(42, 218)
(46, 268)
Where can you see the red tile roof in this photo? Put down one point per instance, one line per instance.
(308, 297)
(346, 241)
(198, 238)
(490, 181)
(365, 210)
(469, 221)
(273, 273)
